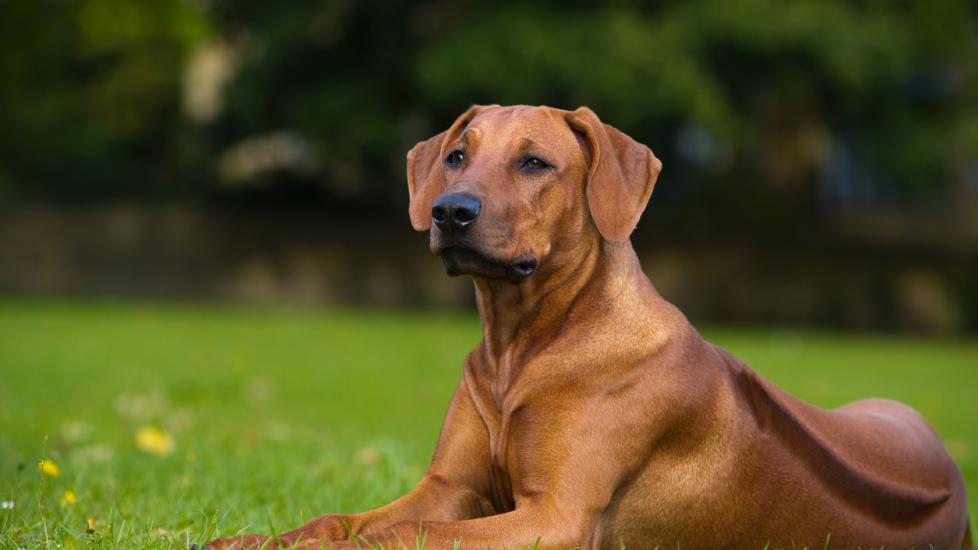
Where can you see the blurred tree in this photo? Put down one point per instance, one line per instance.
(90, 94)
(755, 101)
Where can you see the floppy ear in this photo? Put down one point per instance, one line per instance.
(425, 174)
(621, 175)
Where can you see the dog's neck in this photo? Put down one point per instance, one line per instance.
(520, 319)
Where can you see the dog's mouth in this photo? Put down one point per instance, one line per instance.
(461, 260)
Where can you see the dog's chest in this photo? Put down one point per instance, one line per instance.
(499, 431)
(498, 415)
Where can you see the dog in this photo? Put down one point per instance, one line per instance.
(592, 414)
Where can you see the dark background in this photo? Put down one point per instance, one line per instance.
(820, 157)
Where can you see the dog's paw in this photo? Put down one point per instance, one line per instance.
(245, 542)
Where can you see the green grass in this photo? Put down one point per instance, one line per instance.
(279, 416)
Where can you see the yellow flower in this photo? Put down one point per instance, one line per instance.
(92, 522)
(68, 498)
(154, 441)
(48, 467)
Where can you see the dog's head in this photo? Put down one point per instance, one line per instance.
(506, 190)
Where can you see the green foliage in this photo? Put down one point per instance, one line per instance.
(278, 416)
(685, 61)
(91, 96)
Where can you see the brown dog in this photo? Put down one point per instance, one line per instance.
(592, 414)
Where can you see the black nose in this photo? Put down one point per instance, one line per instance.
(454, 212)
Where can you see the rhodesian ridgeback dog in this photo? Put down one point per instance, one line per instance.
(592, 414)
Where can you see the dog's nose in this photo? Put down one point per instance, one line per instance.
(454, 212)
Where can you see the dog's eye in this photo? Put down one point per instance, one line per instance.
(534, 164)
(455, 158)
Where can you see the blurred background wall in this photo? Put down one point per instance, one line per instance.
(821, 157)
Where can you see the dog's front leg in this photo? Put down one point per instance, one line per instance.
(433, 498)
(454, 488)
(530, 526)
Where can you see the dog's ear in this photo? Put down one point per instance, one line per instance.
(425, 173)
(621, 175)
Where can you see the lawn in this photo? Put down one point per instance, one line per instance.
(170, 423)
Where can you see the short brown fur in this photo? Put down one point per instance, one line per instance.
(591, 414)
